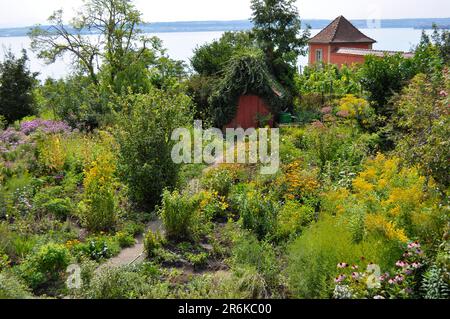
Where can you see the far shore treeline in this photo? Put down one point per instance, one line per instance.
(243, 25)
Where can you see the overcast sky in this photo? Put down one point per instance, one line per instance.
(29, 12)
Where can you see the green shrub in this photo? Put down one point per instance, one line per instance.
(179, 213)
(338, 149)
(198, 260)
(120, 283)
(14, 244)
(166, 257)
(144, 135)
(133, 228)
(314, 255)
(52, 258)
(420, 142)
(22, 245)
(45, 195)
(248, 253)
(59, 207)
(77, 100)
(188, 173)
(11, 287)
(99, 248)
(326, 79)
(124, 239)
(382, 78)
(219, 179)
(152, 242)
(288, 150)
(292, 218)
(200, 88)
(258, 213)
(46, 264)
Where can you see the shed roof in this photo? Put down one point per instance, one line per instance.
(379, 53)
(341, 31)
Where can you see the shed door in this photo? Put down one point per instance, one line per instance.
(248, 109)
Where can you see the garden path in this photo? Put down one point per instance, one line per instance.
(134, 254)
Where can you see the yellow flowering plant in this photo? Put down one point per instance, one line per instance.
(212, 205)
(298, 183)
(52, 154)
(99, 205)
(292, 218)
(352, 107)
(392, 201)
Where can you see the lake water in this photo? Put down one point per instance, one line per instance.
(180, 46)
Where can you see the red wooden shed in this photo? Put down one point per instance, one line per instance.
(250, 108)
(248, 96)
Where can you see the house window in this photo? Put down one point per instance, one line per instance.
(319, 55)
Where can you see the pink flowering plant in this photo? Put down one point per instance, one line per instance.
(365, 281)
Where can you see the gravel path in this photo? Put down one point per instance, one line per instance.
(135, 254)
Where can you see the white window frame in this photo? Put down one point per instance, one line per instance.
(319, 55)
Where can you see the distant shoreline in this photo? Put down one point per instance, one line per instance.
(242, 25)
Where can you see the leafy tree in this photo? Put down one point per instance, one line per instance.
(277, 28)
(115, 59)
(208, 62)
(167, 73)
(429, 55)
(422, 126)
(210, 59)
(77, 101)
(327, 79)
(119, 45)
(144, 130)
(200, 88)
(441, 39)
(52, 43)
(382, 78)
(16, 88)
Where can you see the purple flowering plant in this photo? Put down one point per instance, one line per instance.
(46, 126)
(17, 144)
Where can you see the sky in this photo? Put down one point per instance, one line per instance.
(17, 13)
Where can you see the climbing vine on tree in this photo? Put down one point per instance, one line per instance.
(246, 73)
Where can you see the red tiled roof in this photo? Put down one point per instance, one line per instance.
(380, 53)
(341, 31)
